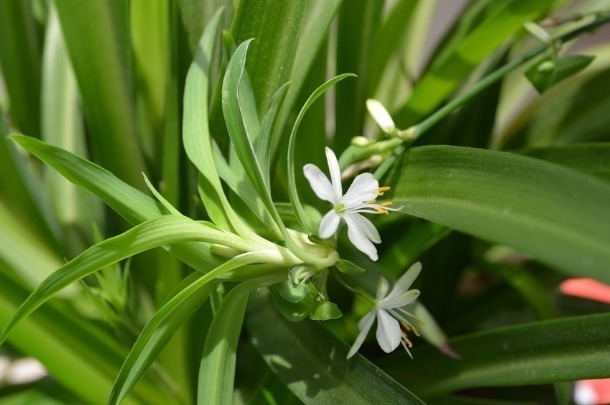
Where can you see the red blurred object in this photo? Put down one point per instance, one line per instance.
(592, 392)
(589, 392)
(586, 288)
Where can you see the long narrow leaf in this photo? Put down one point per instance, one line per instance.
(158, 330)
(130, 203)
(96, 31)
(444, 77)
(20, 63)
(76, 352)
(540, 353)
(313, 363)
(276, 26)
(196, 134)
(217, 369)
(292, 184)
(555, 214)
(133, 205)
(154, 233)
(236, 119)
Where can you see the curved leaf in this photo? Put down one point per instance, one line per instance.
(94, 32)
(217, 369)
(557, 215)
(276, 25)
(589, 158)
(292, 183)
(447, 73)
(161, 326)
(131, 204)
(155, 233)
(540, 353)
(312, 362)
(196, 132)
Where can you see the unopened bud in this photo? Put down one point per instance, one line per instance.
(381, 116)
(360, 141)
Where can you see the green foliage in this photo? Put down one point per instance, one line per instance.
(159, 242)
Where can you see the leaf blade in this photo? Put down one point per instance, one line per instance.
(314, 366)
(479, 192)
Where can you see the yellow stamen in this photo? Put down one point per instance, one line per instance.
(382, 211)
(386, 204)
(406, 339)
(384, 188)
(370, 202)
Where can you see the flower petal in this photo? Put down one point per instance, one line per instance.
(335, 171)
(388, 331)
(320, 185)
(400, 300)
(405, 281)
(363, 188)
(364, 325)
(358, 237)
(366, 226)
(329, 224)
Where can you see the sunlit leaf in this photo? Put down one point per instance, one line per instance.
(312, 362)
(555, 214)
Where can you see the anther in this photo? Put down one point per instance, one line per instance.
(406, 339)
(381, 211)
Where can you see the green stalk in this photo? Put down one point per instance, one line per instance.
(355, 153)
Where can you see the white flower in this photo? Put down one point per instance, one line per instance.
(388, 310)
(360, 198)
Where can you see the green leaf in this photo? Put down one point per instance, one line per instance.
(76, 352)
(555, 214)
(388, 42)
(62, 126)
(592, 159)
(131, 204)
(312, 362)
(22, 249)
(539, 353)
(217, 369)
(158, 232)
(26, 202)
(189, 296)
(196, 134)
(98, 31)
(551, 71)
(302, 216)
(149, 26)
(357, 26)
(325, 311)
(20, 63)
(276, 26)
(347, 267)
(449, 72)
(239, 121)
(195, 14)
(318, 17)
(265, 138)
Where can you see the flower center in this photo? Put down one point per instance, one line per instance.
(340, 208)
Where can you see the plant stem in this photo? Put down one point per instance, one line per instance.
(355, 154)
